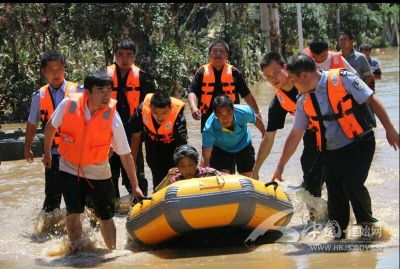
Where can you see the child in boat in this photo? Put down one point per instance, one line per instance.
(186, 159)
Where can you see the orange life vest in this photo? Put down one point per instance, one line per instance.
(83, 143)
(208, 85)
(286, 103)
(165, 132)
(336, 60)
(47, 105)
(132, 86)
(354, 119)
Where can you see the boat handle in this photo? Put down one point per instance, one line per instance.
(220, 182)
(272, 183)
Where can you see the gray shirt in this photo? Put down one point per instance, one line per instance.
(360, 63)
(334, 134)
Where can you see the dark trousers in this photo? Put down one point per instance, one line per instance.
(346, 171)
(311, 164)
(117, 170)
(53, 186)
(159, 165)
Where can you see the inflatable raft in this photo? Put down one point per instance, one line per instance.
(208, 203)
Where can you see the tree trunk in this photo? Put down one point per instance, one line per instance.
(269, 14)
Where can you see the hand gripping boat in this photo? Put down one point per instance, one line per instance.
(207, 203)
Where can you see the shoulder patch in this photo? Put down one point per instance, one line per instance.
(358, 84)
(343, 72)
(42, 93)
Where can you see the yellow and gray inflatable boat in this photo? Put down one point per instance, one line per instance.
(207, 203)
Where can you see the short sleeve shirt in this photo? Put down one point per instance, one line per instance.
(215, 135)
(334, 135)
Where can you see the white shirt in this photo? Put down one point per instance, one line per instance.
(326, 65)
(119, 142)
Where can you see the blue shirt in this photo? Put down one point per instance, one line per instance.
(214, 135)
(334, 134)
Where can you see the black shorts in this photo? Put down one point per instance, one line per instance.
(223, 160)
(101, 194)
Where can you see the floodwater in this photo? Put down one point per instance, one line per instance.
(22, 194)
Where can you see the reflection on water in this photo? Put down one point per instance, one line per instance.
(22, 194)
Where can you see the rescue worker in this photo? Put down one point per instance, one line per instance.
(161, 118)
(336, 104)
(273, 66)
(216, 78)
(131, 84)
(43, 104)
(89, 124)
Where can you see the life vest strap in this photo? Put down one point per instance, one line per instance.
(327, 117)
(212, 84)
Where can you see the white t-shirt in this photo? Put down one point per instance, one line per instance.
(119, 142)
(326, 65)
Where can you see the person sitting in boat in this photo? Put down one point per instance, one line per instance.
(186, 159)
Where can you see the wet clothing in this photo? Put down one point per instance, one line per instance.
(240, 87)
(159, 154)
(130, 91)
(100, 194)
(346, 160)
(231, 146)
(311, 161)
(53, 192)
(243, 160)
(82, 178)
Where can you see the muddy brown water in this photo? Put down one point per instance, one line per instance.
(22, 193)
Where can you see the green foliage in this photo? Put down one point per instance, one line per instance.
(313, 22)
(172, 38)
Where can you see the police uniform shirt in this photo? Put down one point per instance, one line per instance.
(334, 133)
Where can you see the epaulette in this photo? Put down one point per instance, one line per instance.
(343, 72)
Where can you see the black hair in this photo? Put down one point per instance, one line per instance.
(126, 44)
(366, 47)
(318, 45)
(160, 99)
(222, 101)
(270, 57)
(185, 151)
(348, 33)
(51, 55)
(299, 63)
(218, 42)
(97, 78)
